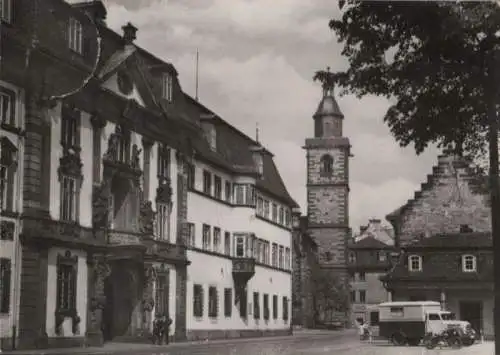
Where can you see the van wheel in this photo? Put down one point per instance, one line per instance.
(398, 339)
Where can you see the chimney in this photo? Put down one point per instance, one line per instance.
(95, 9)
(129, 33)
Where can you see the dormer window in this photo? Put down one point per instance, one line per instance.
(6, 11)
(415, 263)
(167, 87)
(326, 167)
(75, 35)
(469, 263)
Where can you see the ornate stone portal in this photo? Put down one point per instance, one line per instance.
(99, 270)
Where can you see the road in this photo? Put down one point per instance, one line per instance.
(338, 343)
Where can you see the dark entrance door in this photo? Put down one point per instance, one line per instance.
(472, 312)
(121, 296)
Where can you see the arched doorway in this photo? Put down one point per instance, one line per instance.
(121, 289)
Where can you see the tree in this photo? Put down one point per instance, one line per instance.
(331, 294)
(437, 62)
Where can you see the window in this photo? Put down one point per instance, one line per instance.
(163, 162)
(374, 318)
(275, 306)
(266, 209)
(362, 276)
(353, 296)
(397, 311)
(213, 302)
(287, 218)
(66, 283)
(381, 256)
(243, 303)
(227, 243)
(7, 106)
(326, 164)
(266, 306)
(198, 300)
(266, 253)
(257, 253)
(228, 191)
(228, 302)
(415, 263)
(285, 308)
(191, 175)
(68, 199)
(287, 258)
(469, 263)
(167, 86)
(217, 241)
(191, 235)
(281, 216)
(217, 187)
(163, 221)
(280, 257)
(70, 122)
(250, 197)
(239, 192)
(434, 316)
(275, 212)
(206, 237)
(260, 206)
(7, 177)
(207, 182)
(6, 11)
(161, 294)
(352, 257)
(274, 259)
(5, 278)
(256, 306)
(240, 246)
(75, 35)
(362, 296)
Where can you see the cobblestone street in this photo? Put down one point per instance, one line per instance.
(302, 343)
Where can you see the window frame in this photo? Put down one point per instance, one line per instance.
(362, 296)
(167, 86)
(275, 307)
(410, 263)
(6, 16)
(164, 162)
(217, 237)
(237, 239)
(464, 263)
(163, 212)
(265, 301)
(66, 292)
(256, 305)
(266, 209)
(260, 206)
(227, 243)
(73, 205)
(326, 164)
(286, 312)
(75, 35)
(207, 182)
(198, 294)
(281, 215)
(162, 293)
(274, 216)
(227, 191)
(191, 235)
(206, 237)
(217, 187)
(228, 302)
(191, 176)
(8, 171)
(12, 96)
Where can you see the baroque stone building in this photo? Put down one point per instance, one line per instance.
(134, 199)
(328, 154)
(445, 241)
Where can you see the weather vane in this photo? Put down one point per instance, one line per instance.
(327, 80)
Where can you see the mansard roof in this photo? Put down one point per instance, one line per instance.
(452, 241)
(233, 151)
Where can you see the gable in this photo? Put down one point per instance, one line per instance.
(445, 201)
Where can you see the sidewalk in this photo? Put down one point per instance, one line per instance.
(116, 347)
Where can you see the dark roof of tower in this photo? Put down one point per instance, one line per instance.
(328, 106)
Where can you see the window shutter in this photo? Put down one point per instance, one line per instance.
(5, 274)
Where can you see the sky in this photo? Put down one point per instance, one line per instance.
(256, 63)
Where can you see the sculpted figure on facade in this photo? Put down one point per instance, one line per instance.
(146, 218)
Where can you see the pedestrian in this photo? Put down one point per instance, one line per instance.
(158, 329)
(168, 322)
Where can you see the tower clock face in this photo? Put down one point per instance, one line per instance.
(125, 84)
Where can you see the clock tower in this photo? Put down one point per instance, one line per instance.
(328, 155)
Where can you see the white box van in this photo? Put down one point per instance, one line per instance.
(408, 322)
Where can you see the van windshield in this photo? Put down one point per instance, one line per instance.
(448, 316)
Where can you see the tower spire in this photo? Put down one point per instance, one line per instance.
(257, 132)
(196, 75)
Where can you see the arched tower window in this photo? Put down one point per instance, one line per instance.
(326, 164)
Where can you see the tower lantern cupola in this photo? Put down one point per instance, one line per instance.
(328, 117)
